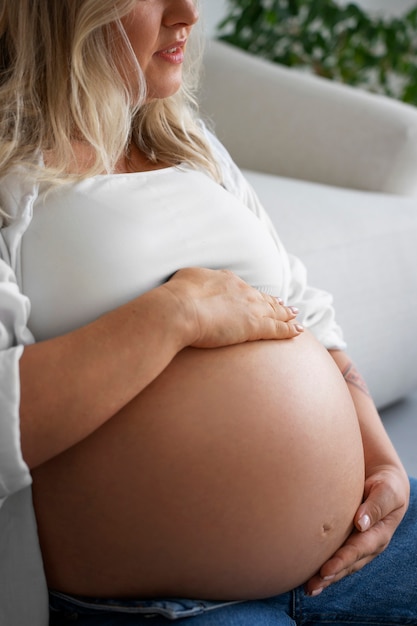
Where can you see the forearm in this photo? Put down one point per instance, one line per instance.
(378, 448)
(71, 385)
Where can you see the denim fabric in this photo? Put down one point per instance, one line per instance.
(384, 592)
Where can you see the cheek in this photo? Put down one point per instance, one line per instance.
(142, 31)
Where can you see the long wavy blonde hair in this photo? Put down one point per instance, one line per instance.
(59, 80)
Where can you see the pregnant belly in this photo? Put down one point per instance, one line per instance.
(234, 475)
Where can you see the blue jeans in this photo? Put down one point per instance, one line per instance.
(384, 592)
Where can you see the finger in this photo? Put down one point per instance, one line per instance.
(284, 312)
(358, 546)
(317, 583)
(287, 330)
(359, 550)
(270, 328)
(381, 500)
(321, 580)
(286, 316)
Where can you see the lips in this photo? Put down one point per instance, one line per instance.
(172, 48)
(173, 53)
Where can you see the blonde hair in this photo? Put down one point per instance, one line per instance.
(59, 81)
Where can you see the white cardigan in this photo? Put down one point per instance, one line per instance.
(23, 590)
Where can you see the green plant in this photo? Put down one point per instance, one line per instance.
(342, 43)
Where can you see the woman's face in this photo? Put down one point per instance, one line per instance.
(158, 31)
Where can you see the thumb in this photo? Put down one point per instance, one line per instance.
(377, 505)
(369, 512)
(363, 522)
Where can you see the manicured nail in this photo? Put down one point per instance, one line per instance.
(364, 522)
(294, 309)
(299, 327)
(330, 577)
(316, 592)
(279, 300)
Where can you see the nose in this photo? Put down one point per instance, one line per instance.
(181, 13)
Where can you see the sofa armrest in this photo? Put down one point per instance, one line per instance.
(280, 121)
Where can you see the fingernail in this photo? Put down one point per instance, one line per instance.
(330, 577)
(299, 327)
(279, 300)
(294, 309)
(364, 522)
(316, 592)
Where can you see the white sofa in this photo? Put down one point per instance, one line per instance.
(337, 170)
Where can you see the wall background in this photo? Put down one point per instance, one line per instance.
(386, 7)
(214, 10)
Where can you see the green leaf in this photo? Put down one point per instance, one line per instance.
(339, 42)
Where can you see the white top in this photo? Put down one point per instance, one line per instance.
(96, 245)
(100, 243)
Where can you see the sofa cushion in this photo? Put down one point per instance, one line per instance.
(362, 247)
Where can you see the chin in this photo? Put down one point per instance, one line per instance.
(161, 92)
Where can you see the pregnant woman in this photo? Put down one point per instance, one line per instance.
(182, 434)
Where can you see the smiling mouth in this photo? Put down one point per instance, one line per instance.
(173, 54)
(175, 47)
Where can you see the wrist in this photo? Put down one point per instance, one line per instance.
(179, 314)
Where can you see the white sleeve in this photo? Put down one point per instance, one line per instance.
(14, 335)
(316, 305)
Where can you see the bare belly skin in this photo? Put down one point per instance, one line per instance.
(234, 475)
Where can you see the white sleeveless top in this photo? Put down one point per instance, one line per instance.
(95, 245)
